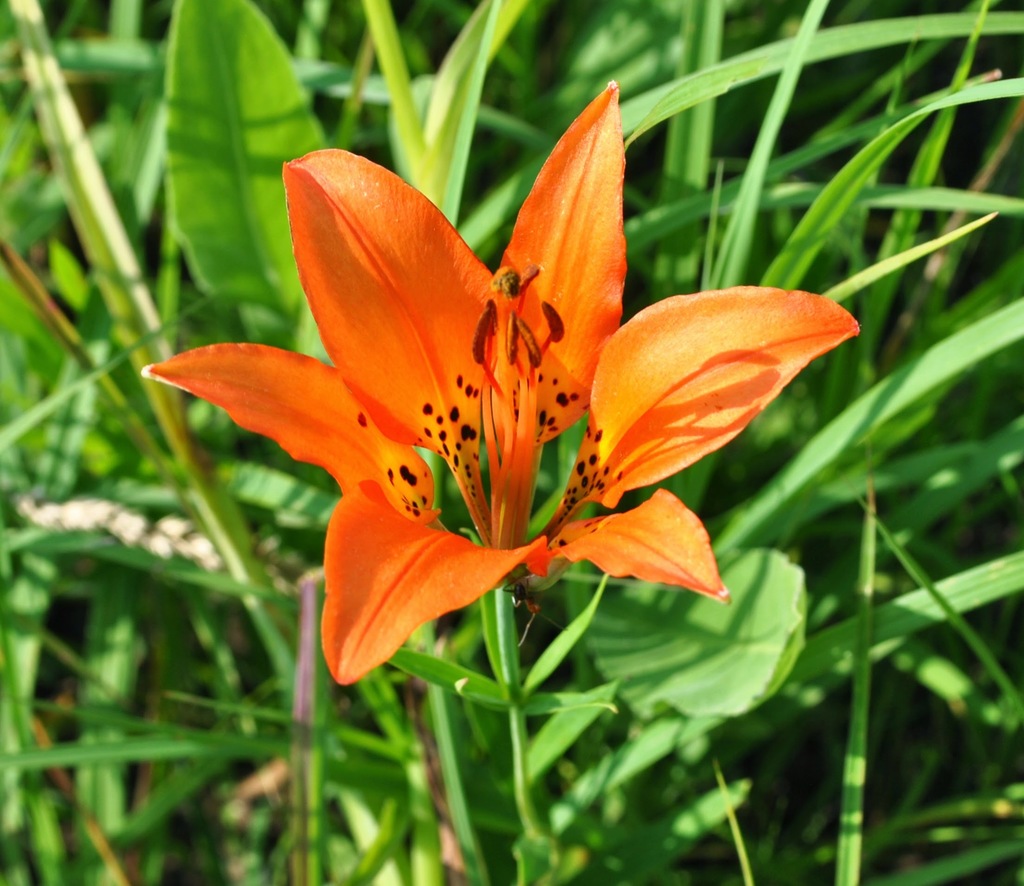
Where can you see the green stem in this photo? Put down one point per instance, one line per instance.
(507, 655)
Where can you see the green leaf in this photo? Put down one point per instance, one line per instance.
(454, 105)
(701, 657)
(734, 252)
(553, 702)
(380, 20)
(835, 200)
(293, 502)
(835, 42)
(645, 851)
(235, 114)
(694, 89)
(562, 645)
(452, 677)
(558, 734)
(865, 278)
(828, 651)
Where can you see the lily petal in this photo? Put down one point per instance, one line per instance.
(570, 227)
(686, 375)
(386, 576)
(396, 294)
(304, 406)
(660, 541)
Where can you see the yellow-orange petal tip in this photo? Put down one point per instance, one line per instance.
(723, 596)
(613, 86)
(146, 373)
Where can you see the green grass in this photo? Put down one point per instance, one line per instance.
(170, 720)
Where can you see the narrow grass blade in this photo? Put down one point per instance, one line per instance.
(863, 279)
(381, 20)
(462, 118)
(459, 808)
(739, 233)
(903, 226)
(829, 650)
(851, 815)
(688, 145)
(648, 746)
(557, 736)
(450, 676)
(835, 200)
(734, 827)
(692, 91)
(835, 43)
(1011, 694)
(648, 851)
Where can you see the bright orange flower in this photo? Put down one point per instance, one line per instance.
(433, 350)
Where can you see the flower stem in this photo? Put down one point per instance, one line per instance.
(509, 675)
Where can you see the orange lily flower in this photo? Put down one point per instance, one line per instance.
(431, 350)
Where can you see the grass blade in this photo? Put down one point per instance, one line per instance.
(851, 816)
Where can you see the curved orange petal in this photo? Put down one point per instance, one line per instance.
(686, 375)
(396, 294)
(571, 228)
(386, 576)
(304, 406)
(661, 540)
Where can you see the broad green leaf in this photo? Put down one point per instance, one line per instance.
(235, 114)
(701, 657)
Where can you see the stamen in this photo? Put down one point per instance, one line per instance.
(529, 272)
(556, 328)
(506, 281)
(486, 326)
(529, 340)
(512, 339)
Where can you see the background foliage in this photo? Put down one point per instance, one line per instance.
(164, 714)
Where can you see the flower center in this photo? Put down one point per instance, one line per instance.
(506, 315)
(507, 345)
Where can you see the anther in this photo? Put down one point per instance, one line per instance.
(512, 339)
(556, 328)
(529, 272)
(506, 281)
(529, 340)
(486, 327)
